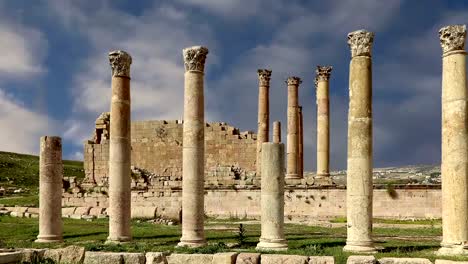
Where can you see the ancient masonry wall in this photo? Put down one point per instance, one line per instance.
(157, 148)
(300, 203)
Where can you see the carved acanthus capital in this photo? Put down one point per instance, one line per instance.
(293, 80)
(360, 42)
(264, 76)
(194, 58)
(323, 73)
(452, 38)
(120, 63)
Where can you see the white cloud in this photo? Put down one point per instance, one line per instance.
(21, 128)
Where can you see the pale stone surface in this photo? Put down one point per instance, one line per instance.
(189, 258)
(272, 198)
(359, 165)
(119, 149)
(454, 164)
(72, 254)
(263, 123)
(10, 257)
(248, 258)
(361, 260)
(404, 261)
(133, 258)
(53, 254)
(277, 132)
(283, 259)
(445, 261)
(323, 121)
(321, 260)
(103, 258)
(225, 258)
(50, 190)
(293, 128)
(68, 210)
(300, 159)
(144, 212)
(155, 258)
(193, 155)
(32, 255)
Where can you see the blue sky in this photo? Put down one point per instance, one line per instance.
(55, 76)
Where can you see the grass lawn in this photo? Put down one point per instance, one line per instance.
(302, 239)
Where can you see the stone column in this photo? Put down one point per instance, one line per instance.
(454, 167)
(277, 132)
(119, 149)
(263, 113)
(193, 155)
(272, 198)
(293, 128)
(359, 172)
(50, 190)
(300, 165)
(323, 123)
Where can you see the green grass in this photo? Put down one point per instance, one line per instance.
(302, 239)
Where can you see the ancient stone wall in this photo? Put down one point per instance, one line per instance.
(157, 148)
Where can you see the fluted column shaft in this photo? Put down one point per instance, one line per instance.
(323, 121)
(272, 198)
(193, 154)
(120, 149)
(454, 167)
(263, 113)
(293, 128)
(359, 171)
(277, 132)
(50, 190)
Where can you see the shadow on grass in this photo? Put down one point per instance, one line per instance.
(84, 235)
(403, 249)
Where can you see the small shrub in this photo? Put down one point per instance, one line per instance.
(391, 191)
(241, 235)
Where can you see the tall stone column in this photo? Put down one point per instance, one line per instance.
(50, 190)
(263, 113)
(277, 132)
(119, 149)
(300, 165)
(454, 167)
(272, 198)
(359, 172)
(193, 154)
(293, 128)
(323, 123)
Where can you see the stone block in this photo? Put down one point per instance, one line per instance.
(82, 210)
(103, 258)
(445, 261)
(248, 258)
(321, 260)
(225, 258)
(404, 261)
(72, 254)
(143, 212)
(361, 260)
(96, 211)
(53, 255)
(17, 214)
(10, 257)
(32, 255)
(155, 258)
(283, 259)
(133, 258)
(189, 258)
(33, 210)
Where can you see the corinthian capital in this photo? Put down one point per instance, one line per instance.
(264, 76)
(293, 80)
(120, 63)
(194, 58)
(452, 38)
(323, 73)
(360, 42)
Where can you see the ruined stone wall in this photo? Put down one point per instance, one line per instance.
(230, 155)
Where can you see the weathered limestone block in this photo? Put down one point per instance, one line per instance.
(68, 210)
(248, 258)
(145, 212)
(10, 257)
(283, 259)
(133, 258)
(32, 255)
(155, 258)
(445, 261)
(225, 258)
(404, 261)
(321, 260)
(103, 258)
(53, 254)
(189, 258)
(361, 260)
(72, 254)
(82, 210)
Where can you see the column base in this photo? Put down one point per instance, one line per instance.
(192, 243)
(272, 245)
(452, 250)
(118, 240)
(48, 239)
(363, 248)
(323, 180)
(293, 176)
